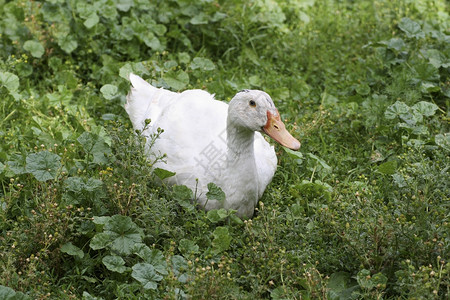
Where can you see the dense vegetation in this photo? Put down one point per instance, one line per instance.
(361, 211)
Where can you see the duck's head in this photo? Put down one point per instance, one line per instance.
(254, 110)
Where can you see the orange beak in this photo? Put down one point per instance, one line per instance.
(275, 129)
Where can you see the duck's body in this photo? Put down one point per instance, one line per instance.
(204, 143)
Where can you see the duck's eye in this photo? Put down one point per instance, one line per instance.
(252, 103)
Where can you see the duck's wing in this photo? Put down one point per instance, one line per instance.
(194, 137)
(146, 101)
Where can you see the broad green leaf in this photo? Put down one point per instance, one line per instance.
(279, 293)
(77, 184)
(60, 98)
(363, 89)
(235, 219)
(388, 168)
(184, 196)
(123, 234)
(68, 43)
(151, 40)
(411, 28)
(396, 44)
(124, 5)
(363, 278)
(96, 146)
(426, 72)
(203, 64)
(177, 80)
(93, 184)
(328, 100)
(215, 193)
(146, 275)
(184, 57)
(429, 87)
(170, 64)
(114, 263)
(87, 296)
(109, 91)
(152, 256)
(217, 215)
(222, 239)
(341, 286)
(425, 108)
(72, 250)
(294, 154)
(17, 166)
(187, 247)
(125, 71)
(396, 109)
(10, 81)
(91, 20)
(100, 241)
(109, 117)
(109, 12)
(159, 29)
(436, 58)
(74, 184)
(101, 132)
(34, 47)
(43, 165)
(163, 174)
(2, 167)
(101, 220)
(179, 267)
(415, 143)
(7, 293)
(200, 18)
(399, 180)
(404, 112)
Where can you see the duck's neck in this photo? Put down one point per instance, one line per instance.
(240, 184)
(239, 143)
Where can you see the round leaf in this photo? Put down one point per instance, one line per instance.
(215, 193)
(176, 80)
(72, 250)
(152, 256)
(35, 48)
(425, 108)
(43, 165)
(92, 20)
(114, 263)
(203, 64)
(10, 81)
(146, 274)
(188, 247)
(411, 28)
(222, 239)
(123, 234)
(109, 91)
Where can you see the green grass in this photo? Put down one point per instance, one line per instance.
(361, 212)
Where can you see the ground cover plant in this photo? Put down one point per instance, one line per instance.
(360, 212)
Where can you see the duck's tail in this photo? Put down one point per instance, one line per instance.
(143, 101)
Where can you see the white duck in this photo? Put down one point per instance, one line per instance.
(206, 140)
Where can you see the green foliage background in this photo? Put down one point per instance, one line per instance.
(362, 211)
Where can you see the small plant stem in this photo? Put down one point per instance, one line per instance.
(312, 175)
